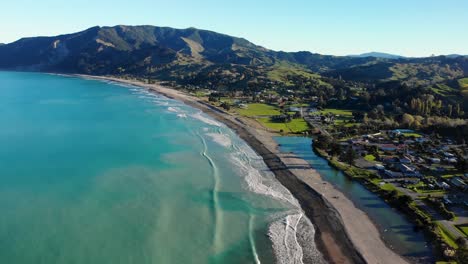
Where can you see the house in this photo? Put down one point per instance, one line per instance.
(392, 174)
(446, 200)
(379, 167)
(387, 147)
(294, 109)
(451, 160)
(458, 182)
(390, 160)
(405, 168)
(316, 117)
(408, 171)
(398, 132)
(405, 160)
(243, 106)
(389, 173)
(418, 160)
(421, 139)
(449, 155)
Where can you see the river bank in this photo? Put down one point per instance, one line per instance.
(345, 234)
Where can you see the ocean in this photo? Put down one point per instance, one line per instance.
(99, 172)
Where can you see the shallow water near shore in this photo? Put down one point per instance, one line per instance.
(397, 230)
(93, 172)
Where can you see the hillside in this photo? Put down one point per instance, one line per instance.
(201, 58)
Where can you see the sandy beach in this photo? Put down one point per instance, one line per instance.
(344, 233)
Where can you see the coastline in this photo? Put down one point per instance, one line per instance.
(344, 233)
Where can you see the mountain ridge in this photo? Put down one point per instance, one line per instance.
(197, 56)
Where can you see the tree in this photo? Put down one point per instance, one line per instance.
(335, 149)
(404, 199)
(322, 141)
(226, 106)
(350, 156)
(461, 256)
(407, 119)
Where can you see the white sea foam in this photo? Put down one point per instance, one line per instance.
(283, 233)
(250, 165)
(206, 120)
(222, 139)
(174, 109)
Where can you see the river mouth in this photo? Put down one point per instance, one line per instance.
(396, 230)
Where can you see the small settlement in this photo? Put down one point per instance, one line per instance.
(424, 167)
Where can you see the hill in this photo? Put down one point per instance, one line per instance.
(378, 55)
(200, 58)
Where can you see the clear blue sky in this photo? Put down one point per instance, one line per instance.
(339, 27)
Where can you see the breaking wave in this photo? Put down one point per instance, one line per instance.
(199, 116)
(289, 229)
(222, 139)
(293, 228)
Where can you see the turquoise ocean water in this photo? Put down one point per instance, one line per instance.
(95, 172)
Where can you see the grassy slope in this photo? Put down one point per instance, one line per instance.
(281, 70)
(464, 86)
(445, 90)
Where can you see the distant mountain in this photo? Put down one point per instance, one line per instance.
(378, 55)
(201, 57)
(455, 55)
(108, 49)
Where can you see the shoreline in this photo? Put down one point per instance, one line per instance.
(344, 233)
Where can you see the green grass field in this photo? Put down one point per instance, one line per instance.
(386, 186)
(342, 118)
(463, 83)
(447, 236)
(259, 110)
(295, 126)
(340, 112)
(369, 157)
(416, 135)
(464, 229)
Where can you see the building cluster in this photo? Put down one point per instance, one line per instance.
(404, 154)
